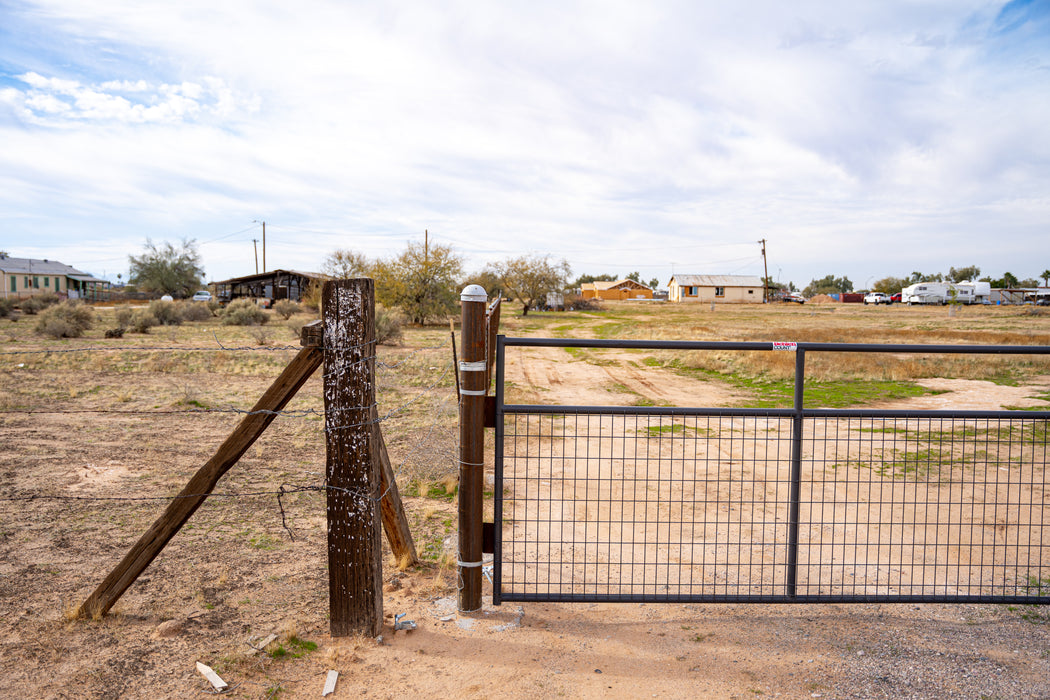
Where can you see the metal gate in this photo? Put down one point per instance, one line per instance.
(784, 505)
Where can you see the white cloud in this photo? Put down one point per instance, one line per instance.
(663, 128)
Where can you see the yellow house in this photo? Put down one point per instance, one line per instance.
(25, 277)
(621, 289)
(720, 289)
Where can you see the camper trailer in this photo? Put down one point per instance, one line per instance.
(946, 292)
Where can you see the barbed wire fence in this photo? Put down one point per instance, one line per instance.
(434, 386)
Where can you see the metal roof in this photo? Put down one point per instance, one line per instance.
(717, 281)
(32, 266)
(271, 273)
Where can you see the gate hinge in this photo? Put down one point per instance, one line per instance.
(490, 411)
(488, 538)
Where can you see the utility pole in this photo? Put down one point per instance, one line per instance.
(765, 269)
(255, 243)
(256, 221)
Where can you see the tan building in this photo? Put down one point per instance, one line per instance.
(621, 289)
(721, 289)
(24, 277)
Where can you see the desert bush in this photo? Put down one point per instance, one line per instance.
(244, 312)
(388, 325)
(285, 308)
(578, 303)
(115, 332)
(142, 320)
(167, 313)
(260, 335)
(311, 297)
(66, 320)
(7, 306)
(123, 316)
(36, 304)
(214, 305)
(194, 310)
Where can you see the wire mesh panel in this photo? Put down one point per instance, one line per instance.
(935, 507)
(644, 507)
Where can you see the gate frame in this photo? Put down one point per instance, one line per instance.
(798, 413)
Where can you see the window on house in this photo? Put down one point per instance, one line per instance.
(47, 281)
(36, 282)
(751, 291)
(720, 291)
(14, 284)
(25, 282)
(693, 291)
(57, 280)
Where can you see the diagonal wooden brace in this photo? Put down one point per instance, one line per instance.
(202, 484)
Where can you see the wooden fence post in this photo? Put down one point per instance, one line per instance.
(355, 566)
(472, 369)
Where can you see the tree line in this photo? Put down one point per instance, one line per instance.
(425, 279)
(831, 284)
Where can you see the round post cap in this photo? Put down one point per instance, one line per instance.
(473, 292)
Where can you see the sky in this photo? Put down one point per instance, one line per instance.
(860, 139)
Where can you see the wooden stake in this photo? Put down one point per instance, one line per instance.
(355, 566)
(202, 483)
(395, 523)
(471, 445)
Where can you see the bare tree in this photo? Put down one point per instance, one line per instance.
(530, 277)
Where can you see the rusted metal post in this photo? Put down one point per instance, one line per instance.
(472, 372)
(355, 566)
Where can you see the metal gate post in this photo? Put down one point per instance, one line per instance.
(796, 474)
(497, 491)
(472, 372)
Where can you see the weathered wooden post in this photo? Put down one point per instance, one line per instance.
(471, 445)
(355, 567)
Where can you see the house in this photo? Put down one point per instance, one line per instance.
(721, 289)
(269, 286)
(24, 277)
(621, 289)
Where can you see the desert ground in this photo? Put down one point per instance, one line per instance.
(99, 433)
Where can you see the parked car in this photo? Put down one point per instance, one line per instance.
(793, 296)
(202, 295)
(896, 298)
(877, 298)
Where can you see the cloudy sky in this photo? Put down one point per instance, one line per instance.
(861, 139)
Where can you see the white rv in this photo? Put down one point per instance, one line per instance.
(946, 292)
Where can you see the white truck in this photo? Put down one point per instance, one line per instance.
(877, 298)
(946, 292)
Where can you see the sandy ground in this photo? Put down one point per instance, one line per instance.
(237, 576)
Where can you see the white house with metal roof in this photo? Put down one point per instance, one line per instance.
(24, 277)
(720, 289)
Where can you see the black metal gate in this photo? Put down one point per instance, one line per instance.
(785, 505)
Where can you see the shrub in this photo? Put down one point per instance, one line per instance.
(193, 310)
(166, 312)
(142, 320)
(6, 307)
(244, 312)
(388, 326)
(214, 305)
(66, 320)
(311, 298)
(38, 303)
(285, 308)
(123, 316)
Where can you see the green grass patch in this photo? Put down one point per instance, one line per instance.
(296, 648)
